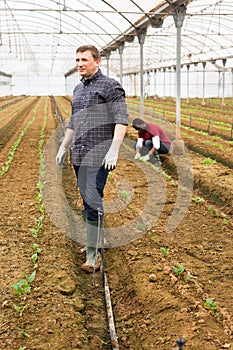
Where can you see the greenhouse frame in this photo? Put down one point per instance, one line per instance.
(141, 44)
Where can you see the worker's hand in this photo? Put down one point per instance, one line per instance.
(61, 154)
(145, 158)
(110, 159)
(137, 156)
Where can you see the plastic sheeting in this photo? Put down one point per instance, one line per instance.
(42, 37)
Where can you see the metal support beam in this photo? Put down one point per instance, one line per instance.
(141, 39)
(223, 81)
(107, 55)
(178, 13)
(203, 84)
(187, 98)
(120, 50)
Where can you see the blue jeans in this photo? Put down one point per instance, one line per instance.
(91, 182)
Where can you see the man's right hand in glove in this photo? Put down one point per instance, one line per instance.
(61, 154)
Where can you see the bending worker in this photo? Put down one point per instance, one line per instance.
(95, 132)
(152, 141)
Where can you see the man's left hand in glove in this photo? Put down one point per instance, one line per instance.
(110, 159)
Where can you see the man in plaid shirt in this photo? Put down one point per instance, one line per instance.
(95, 132)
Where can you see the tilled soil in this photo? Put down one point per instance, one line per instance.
(154, 300)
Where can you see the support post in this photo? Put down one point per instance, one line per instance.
(120, 50)
(178, 13)
(203, 84)
(107, 55)
(223, 81)
(141, 39)
(188, 67)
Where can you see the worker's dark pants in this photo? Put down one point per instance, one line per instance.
(91, 182)
(147, 145)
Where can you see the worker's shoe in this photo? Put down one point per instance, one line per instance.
(92, 256)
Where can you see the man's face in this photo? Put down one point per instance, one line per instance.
(86, 65)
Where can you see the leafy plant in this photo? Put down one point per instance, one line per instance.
(208, 161)
(198, 200)
(165, 251)
(141, 226)
(34, 256)
(153, 237)
(187, 278)
(178, 270)
(110, 176)
(124, 194)
(211, 209)
(22, 288)
(211, 304)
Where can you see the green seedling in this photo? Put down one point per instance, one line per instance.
(34, 256)
(211, 209)
(211, 304)
(150, 235)
(198, 200)
(168, 177)
(141, 226)
(133, 209)
(208, 161)
(110, 176)
(22, 288)
(187, 278)
(173, 183)
(124, 194)
(178, 270)
(165, 251)
(225, 221)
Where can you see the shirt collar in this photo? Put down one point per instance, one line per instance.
(92, 78)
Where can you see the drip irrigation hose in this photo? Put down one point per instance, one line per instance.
(100, 238)
(180, 343)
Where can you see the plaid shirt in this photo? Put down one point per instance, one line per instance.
(98, 104)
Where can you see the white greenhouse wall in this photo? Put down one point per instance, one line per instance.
(38, 85)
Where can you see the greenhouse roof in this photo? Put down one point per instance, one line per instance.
(42, 37)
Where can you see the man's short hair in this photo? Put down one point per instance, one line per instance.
(95, 52)
(138, 124)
